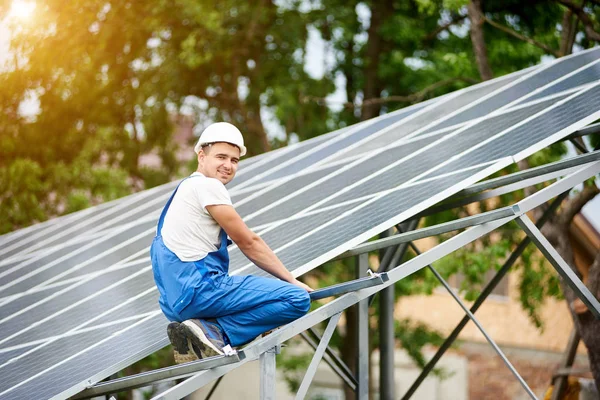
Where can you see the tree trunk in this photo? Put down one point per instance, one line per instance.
(586, 324)
(372, 89)
(569, 29)
(478, 41)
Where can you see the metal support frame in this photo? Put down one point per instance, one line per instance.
(387, 338)
(362, 362)
(267, 373)
(494, 221)
(479, 326)
(335, 363)
(588, 130)
(158, 375)
(351, 286)
(509, 183)
(312, 368)
(482, 297)
(560, 265)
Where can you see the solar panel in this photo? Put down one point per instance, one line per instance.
(77, 298)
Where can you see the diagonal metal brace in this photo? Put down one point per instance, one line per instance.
(350, 286)
(559, 264)
(312, 368)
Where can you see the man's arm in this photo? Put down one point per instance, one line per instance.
(251, 244)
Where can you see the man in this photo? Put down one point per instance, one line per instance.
(209, 308)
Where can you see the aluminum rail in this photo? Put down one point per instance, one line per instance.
(350, 286)
(588, 130)
(158, 375)
(529, 173)
(429, 231)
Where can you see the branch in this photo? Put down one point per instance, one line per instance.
(575, 204)
(411, 98)
(442, 28)
(522, 37)
(584, 18)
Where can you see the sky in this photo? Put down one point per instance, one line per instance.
(319, 59)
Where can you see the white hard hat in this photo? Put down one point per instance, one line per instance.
(221, 132)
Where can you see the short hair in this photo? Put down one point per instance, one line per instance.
(205, 148)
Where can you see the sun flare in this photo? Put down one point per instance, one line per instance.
(22, 9)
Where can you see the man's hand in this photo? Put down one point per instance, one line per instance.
(302, 285)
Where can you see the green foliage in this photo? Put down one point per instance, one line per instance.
(414, 337)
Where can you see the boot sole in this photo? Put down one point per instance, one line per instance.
(183, 350)
(199, 339)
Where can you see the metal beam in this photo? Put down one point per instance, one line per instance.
(158, 375)
(561, 266)
(479, 326)
(362, 368)
(268, 372)
(350, 286)
(337, 365)
(588, 130)
(429, 231)
(498, 191)
(530, 173)
(482, 297)
(312, 368)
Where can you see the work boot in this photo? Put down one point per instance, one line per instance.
(183, 349)
(207, 336)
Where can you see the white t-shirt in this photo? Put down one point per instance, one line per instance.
(189, 230)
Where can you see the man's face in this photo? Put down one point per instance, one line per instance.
(219, 161)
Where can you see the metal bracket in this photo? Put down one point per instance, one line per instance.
(373, 279)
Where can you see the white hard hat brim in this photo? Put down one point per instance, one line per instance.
(199, 145)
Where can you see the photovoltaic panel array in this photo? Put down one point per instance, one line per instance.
(77, 298)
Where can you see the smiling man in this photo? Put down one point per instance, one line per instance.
(210, 309)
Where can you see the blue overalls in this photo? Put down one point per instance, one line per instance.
(244, 306)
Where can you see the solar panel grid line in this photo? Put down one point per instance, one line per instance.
(76, 267)
(14, 260)
(111, 370)
(354, 129)
(528, 94)
(47, 231)
(262, 228)
(53, 236)
(74, 282)
(73, 332)
(19, 295)
(397, 219)
(272, 205)
(351, 167)
(468, 106)
(304, 155)
(77, 354)
(94, 274)
(574, 81)
(71, 306)
(518, 106)
(560, 134)
(250, 189)
(523, 122)
(76, 299)
(247, 266)
(108, 218)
